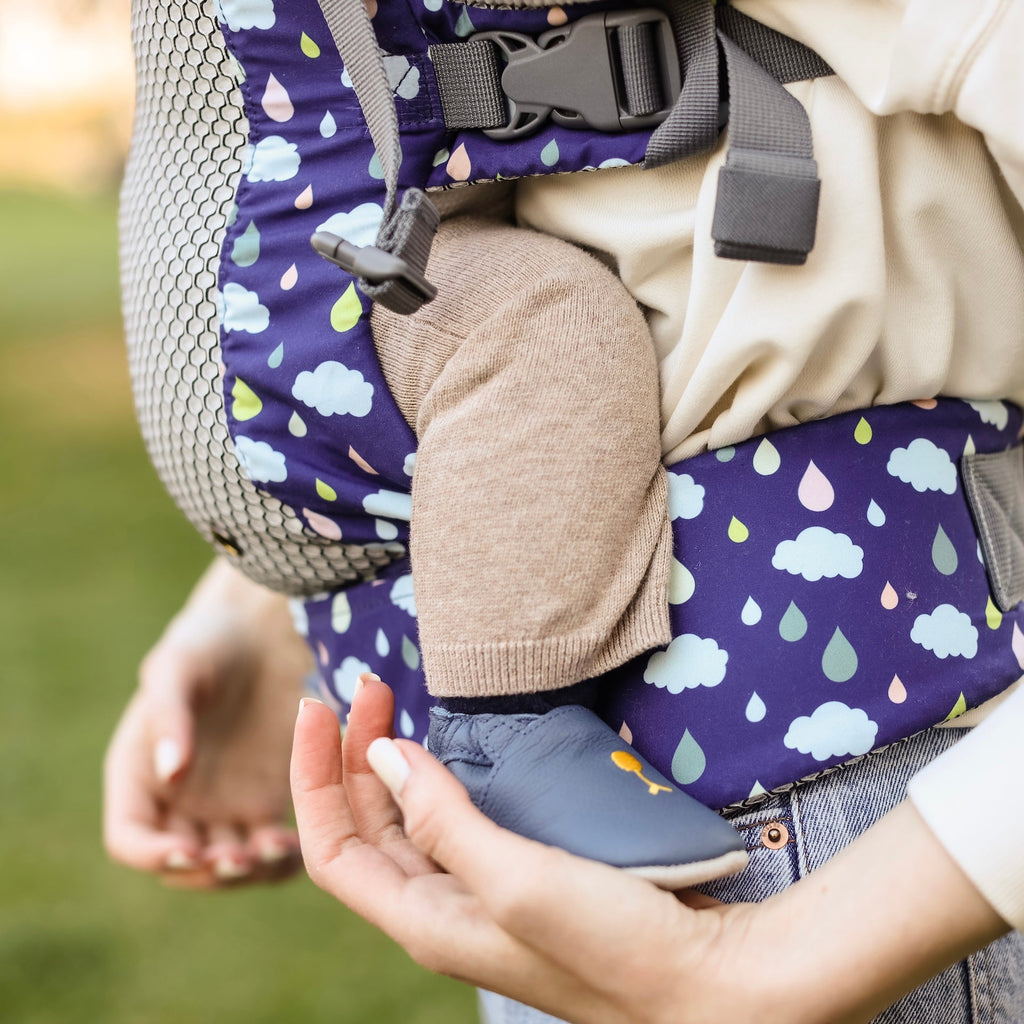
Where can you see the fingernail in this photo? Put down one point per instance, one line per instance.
(179, 860)
(273, 852)
(227, 869)
(308, 700)
(388, 764)
(166, 758)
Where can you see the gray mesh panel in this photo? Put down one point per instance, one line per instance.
(189, 141)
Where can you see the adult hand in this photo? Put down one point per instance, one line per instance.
(196, 774)
(401, 845)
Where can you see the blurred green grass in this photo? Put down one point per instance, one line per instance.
(93, 560)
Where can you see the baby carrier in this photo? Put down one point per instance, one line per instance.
(826, 578)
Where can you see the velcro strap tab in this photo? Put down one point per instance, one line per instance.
(994, 485)
(765, 215)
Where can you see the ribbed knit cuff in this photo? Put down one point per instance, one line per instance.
(970, 798)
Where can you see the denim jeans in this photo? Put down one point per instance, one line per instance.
(790, 835)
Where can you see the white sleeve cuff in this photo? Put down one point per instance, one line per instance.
(971, 799)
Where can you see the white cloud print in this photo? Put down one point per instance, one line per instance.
(389, 505)
(241, 310)
(947, 632)
(241, 14)
(358, 226)
(334, 390)
(688, 662)
(272, 159)
(345, 676)
(924, 466)
(832, 730)
(402, 595)
(685, 496)
(817, 552)
(995, 413)
(261, 463)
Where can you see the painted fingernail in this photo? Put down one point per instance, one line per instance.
(388, 764)
(166, 758)
(179, 860)
(227, 869)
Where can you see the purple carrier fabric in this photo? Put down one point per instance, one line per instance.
(828, 596)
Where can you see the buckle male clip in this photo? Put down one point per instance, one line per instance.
(373, 265)
(575, 74)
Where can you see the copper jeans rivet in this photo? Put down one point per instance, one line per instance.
(774, 835)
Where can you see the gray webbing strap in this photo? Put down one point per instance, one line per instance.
(767, 205)
(407, 229)
(780, 55)
(468, 79)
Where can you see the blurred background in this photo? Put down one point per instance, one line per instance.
(93, 561)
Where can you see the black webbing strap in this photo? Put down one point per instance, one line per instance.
(392, 271)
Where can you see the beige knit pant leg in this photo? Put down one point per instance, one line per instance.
(540, 539)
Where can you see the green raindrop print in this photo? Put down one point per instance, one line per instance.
(326, 491)
(792, 625)
(309, 47)
(738, 533)
(943, 553)
(993, 616)
(376, 171)
(839, 662)
(464, 27)
(549, 154)
(347, 310)
(766, 459)
(689, 760)
(958, 709)
(410, 654)
(247, 403)
(862, 432)
(440, 157)
(246, 250)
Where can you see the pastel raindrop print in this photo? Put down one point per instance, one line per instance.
(322, 525)
(328, 126)
(862, 432)
(410, 654)
(289, 278)
(755, 710)
(689, 760)
(341, 612)
(876, 517)
(304, 200)
(376, 171)
(751, 613)
(276, 102)
(550, 155)
(326, 491)
(625, 733)
(889, 597)
(959, 708)
(246, 404)
(738, 532)
(459, 166)
(726, 454)
(897, 692)
(839, 660)
(1017, 645)
(381, 644)
(944, 556)
(464, 26)
(309, 46)
(681, 584)
(246, 250)
(360, 461)
(969, 448)
(296, 425)
(406, 726)
(766, 458)
(993, 616)
(347, 310)
(793, 624)
(276, 357)
(815, 491)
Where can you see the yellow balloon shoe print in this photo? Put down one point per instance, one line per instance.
(566, 779)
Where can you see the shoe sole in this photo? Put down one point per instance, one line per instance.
(683, 876)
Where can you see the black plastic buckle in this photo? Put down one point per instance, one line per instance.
(573, 75)
(370, 264)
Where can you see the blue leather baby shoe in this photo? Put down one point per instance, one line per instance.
(565, 778)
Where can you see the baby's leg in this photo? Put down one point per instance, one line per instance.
(540, 537)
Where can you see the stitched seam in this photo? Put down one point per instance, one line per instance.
(959, 64)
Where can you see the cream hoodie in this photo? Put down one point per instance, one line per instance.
(915, 288)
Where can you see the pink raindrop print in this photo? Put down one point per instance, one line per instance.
(626, 734)
(360, 461)
(556, 17)
(815, 492)
(322, 652)
(925, 403)
(459, 166)
(897, 691)
(889, 597)
(289, 278)
(304, 200)
(322, 525)
(276, 102)
(1017, 645)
